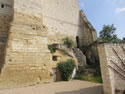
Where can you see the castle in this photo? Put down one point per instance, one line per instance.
(27, 27)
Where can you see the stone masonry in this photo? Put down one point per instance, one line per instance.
(25, 40)
(27, 27)
(112, 60)
(87, 39)
(62, 19)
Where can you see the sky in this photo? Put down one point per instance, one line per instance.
(105, 12)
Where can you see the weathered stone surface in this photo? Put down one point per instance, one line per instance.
(26, 29)
(26, 44)
(80, 57)
(62, 19)
(87, 37)
(112, 61)
(88, 34)
(63, 53)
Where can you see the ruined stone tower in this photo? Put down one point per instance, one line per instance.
(23, 42)
(24, 55)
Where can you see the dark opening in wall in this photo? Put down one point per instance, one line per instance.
(54, 58)
(77, 41)
(2, 5)
(44, 27)
(33, 28)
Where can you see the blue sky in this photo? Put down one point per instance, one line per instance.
(100, 12)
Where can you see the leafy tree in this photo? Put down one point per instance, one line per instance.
(107, 34)
(124, 39)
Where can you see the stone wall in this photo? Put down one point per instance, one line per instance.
(27, 59)
(87, 37)
(112, 60)
(26, 29)
(62, 19)
(88, 34)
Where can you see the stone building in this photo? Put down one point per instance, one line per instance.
(26, 30)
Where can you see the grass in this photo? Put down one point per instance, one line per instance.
(69, 42)
(92, 77)
(96, 79)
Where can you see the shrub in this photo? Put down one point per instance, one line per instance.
(80, 70)
(51, 48)
(95, 77)
(68, 42)
(66, 68)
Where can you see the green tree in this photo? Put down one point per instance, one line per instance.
(123, 41)
(107, 34)
(123, 38)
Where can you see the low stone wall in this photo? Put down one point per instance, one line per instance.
(112, 59)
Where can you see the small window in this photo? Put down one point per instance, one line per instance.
(2, 5)
(44, 27)
(54, 58)
(34, 28)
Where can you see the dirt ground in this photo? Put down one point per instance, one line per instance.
(71, 87)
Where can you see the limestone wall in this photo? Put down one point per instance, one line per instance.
(26, 29)
(27, 59)
(24, 56)
(88, 34)
(87, 38)
(112, 60)
(62, 19)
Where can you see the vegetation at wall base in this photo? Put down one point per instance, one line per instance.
(93, 77)
(51, 48)
(96, 79)
(66, 68)
(68, 42)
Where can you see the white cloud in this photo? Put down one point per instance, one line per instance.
(119, 10)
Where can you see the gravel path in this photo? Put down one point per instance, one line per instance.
(72, 87)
